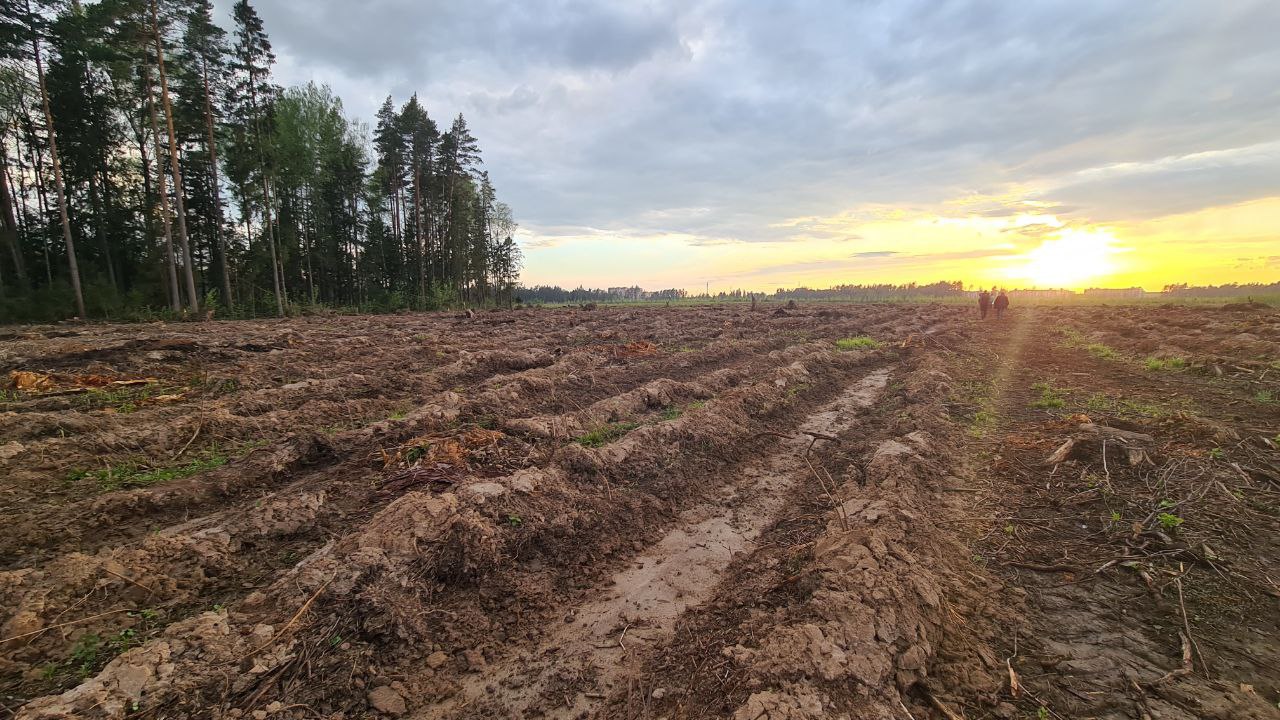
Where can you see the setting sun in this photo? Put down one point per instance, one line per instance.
(1071, 259)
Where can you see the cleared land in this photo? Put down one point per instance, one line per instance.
(863, 511)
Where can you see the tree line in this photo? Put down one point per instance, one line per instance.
(150, 166)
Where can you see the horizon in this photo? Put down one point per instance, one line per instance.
(966, 287)
(676, 144)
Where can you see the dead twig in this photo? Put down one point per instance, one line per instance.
(287, 625)
(946, 711)
(1186, 625)
(1186, 660)
(1014, 687)
(72, 622)
(150, 592)
(194, 435)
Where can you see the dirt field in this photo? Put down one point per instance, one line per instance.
(645, 513)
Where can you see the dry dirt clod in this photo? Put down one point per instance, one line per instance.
(386, 700)
(475, 660)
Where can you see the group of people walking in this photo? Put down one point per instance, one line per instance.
(985, 303)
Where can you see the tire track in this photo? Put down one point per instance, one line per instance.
(644, 601)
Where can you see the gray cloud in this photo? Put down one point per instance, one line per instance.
(618, 116)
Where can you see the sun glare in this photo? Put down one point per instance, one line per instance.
(1071, 259)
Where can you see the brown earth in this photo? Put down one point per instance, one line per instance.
(645, 513)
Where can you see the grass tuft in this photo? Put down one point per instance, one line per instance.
(602, 436)
(133, 474)
(1155, 364)
(1050, 397)
(861, 342)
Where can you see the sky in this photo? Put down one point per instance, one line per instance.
(762, 144)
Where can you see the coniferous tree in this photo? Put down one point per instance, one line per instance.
(250, 98)
(106, 155)
(59, 189)
(204, 69)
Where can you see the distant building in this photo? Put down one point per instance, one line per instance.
(1056, 294)
(1115, 292)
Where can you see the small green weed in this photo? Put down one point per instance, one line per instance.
(1050, 397)
(796, 389)
(84, 654)
(671, 413)
(1217, 453)
(1169, 521)
(515, 521)
(398, 415)
(1265, 396)
(134, 474)
(1155, 364)
(604, 435)
(247, 446)
(1102, 352)
(860, 342)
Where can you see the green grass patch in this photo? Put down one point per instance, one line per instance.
(671, 413)
(602, 436)
(1155, 364)
(1102, 352)
(861, 342)
(1265, 396)
(1050, 397)
(135, 474)
(1099, 403)
(1073, 338)
(124, 399)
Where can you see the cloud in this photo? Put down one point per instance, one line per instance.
(875, 254)
(621, 117)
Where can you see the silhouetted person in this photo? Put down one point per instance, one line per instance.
(984, 303)
(1001, 304)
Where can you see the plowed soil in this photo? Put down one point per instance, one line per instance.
(645, 513)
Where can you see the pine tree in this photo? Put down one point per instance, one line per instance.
(72, 266)
(205, 51)
(250, 96)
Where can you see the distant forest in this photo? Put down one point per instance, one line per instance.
(881, 292)
(150, 166)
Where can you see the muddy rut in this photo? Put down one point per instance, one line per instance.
(641, 604)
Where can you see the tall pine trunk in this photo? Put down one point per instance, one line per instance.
(175, 301)
(99, 227)
(418, 231)
(72, 266)
(217, 189)
(9, 220)
(188, 272)
(277, 272)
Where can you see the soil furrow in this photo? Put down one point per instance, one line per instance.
(641, 604)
